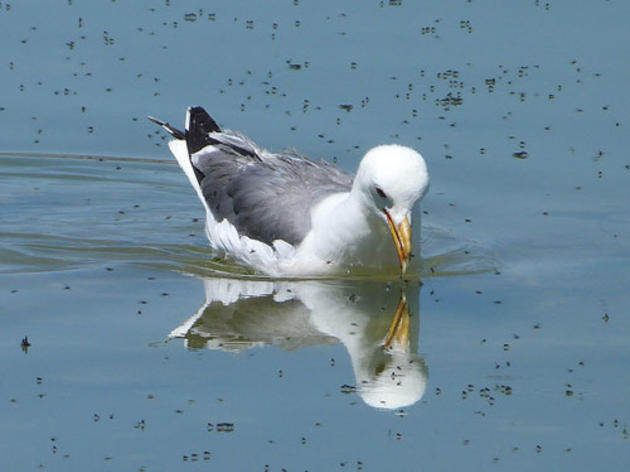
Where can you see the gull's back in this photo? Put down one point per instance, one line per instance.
(265, 196)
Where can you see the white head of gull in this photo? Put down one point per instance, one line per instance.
(283, 214)
(355, 229)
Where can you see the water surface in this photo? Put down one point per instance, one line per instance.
(148, 353)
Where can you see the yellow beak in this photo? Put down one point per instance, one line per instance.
(399, 328)
(402, 239)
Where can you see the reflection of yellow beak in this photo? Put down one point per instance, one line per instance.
(402, 239)
(399, 327)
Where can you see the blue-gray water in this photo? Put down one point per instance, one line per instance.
(143, 357)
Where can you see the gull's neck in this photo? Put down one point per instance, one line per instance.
(345, 232)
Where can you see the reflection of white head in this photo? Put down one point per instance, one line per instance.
(394, 379)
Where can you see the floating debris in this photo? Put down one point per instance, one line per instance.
(25, 344)
(225, 427)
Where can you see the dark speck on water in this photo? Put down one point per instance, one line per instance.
(25, 344)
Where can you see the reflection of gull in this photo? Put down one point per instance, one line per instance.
(284, 214)
(376, 324)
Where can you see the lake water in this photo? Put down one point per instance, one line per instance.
(147, 353)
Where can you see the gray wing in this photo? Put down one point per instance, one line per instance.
(265, 196)
(248, 321)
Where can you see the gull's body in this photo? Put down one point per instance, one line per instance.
(286, 215)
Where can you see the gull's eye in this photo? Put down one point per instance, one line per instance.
(380, 192)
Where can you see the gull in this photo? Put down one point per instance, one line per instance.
(285, 215)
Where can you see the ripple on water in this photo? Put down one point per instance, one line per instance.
(443, 255)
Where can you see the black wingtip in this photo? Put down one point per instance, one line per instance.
(199, 118)
(198, 125)
(177, 134)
